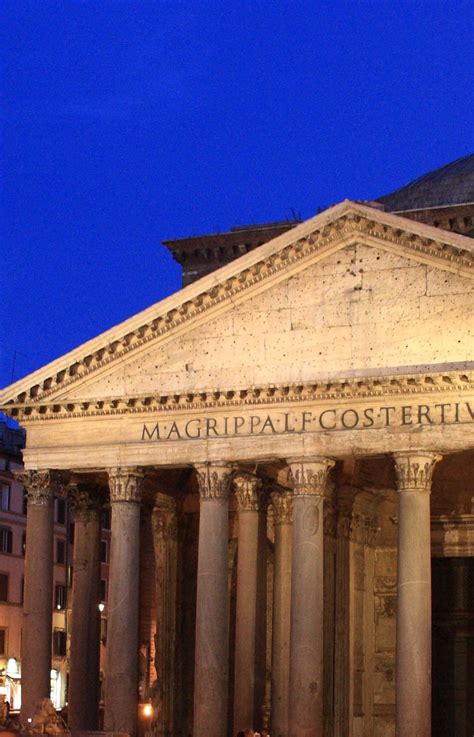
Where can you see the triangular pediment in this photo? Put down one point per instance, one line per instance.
(153, 342)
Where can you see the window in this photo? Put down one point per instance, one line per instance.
(60, 551)
(4, 464)
(60, 510)
(3, 641)
(22, 593)
(4, 497)
(23, 544)
(59, 643)
(3, 586)
(105, 519)
(25, 502)
(6, 540)
(71, 533)
(103, 551)
(60, 596)
(103, 590)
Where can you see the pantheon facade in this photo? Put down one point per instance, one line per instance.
(287, 448)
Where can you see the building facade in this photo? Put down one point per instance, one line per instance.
(13, 524)
(287, 445)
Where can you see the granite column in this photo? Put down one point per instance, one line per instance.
(212, 605)
(165, 541)
(122, 604)
(248, 605)
(282, 504)
(414, 471)
(83, 699)
(308, 476)
(40, 487)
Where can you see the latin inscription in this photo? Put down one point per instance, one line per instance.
(326, 420)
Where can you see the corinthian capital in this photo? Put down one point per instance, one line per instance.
(41, 486)
(87, 500)
(282, 504)
(248, 490)
(213, 480)
(125, 484)
(414, 469)
(309, 476)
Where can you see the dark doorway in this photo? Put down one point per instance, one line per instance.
(453, 647)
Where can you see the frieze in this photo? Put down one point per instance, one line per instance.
(347, 225)
(332, 419)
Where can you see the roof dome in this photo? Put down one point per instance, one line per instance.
(452, 184)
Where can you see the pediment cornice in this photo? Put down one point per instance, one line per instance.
(342, 389)
(323, 235)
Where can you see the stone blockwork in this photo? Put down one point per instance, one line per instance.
(353, 311)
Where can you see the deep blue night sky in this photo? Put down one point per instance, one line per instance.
(125, 123)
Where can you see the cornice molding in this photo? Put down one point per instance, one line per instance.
(338, 227)
(329, 390)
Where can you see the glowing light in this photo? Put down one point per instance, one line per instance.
(148, 710)
(101, 606)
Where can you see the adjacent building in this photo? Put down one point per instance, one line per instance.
(13, 525)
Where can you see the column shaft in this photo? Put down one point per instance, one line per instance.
(413, 679)
(307, 598)
(166, 550)
(83, 701)
(38, 590)
(122, 605)
(212, 605)
(248, 605)
(281, 613)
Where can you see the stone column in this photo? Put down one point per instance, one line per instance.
(248, 605)
(165, 541)
(83, 702)
(308, 476)
(282, 508)
(40, 487)
(212, 605)
(121, 686)
(413, 681)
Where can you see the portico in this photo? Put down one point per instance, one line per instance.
(288, 422)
